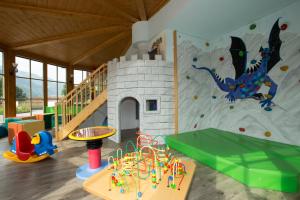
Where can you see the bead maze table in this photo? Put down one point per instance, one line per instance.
(93, 137)
(148, 171)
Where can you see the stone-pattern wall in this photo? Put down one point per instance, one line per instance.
(142, 79)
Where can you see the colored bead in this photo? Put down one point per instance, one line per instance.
(213, 70)
(195, 59)
(195, 97)
(221, 58)
(195, 126)
(139, 194)
(231, 107)
(201, 116)
(188, 77)
(207, 44)
(214, 97)
(253, 61)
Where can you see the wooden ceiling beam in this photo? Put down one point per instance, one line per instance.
(118, 11)
(157, 7)
(55, 11)
(67, 36)
(99, 47)
(141, 8)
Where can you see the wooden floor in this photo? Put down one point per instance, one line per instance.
(54, 179)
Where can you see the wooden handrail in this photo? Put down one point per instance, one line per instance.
(80, 97)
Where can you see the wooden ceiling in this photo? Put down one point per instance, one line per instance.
(79, 33)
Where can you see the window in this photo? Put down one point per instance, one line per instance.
(2, 99)
(29, 87)
(152, 105)
(57, 86)
(79, 76)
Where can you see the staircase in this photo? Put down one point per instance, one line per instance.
(80, 103)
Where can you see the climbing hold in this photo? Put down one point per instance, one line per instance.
(284, 68)
(268, 109)
(213, 70)
(268, 134)
(122, 190)
(253, 61)
(195, 97)
(201, 116)
(252, 26)
(241, 53)
(207, 44)
(195, 59)
(268, 84)
(188, 77)
(284, 26)
(195, 126)
(231, 107)
(214, 97)
(221, 58)
(242, 129)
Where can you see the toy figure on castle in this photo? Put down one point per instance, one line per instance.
(248, 80)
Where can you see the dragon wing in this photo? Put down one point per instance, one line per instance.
(274, 46)
(239, 56)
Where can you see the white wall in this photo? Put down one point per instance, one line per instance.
(283, 121)
(128, 114)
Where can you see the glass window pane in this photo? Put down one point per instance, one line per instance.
(52, 93)
(62, 89)
(2, 110)
(51, 72)
(23, 107)
(22, 88)
(37, 89)
(84, 74)
(1, 63)
(36, 70)
(62, 75)
(77, 76)
(23, 67)
(37, 106)
(1, 86)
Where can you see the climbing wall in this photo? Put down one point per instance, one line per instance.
(202, 104)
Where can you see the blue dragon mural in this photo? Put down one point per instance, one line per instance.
(248, 80)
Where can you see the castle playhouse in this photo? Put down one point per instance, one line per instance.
(148, 84)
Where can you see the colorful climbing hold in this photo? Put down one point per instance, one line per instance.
(195, 97)
(242, 129)
(283, 26)
(207, 44)
(231, 107)
(201, 116)
(252, 26)
(195, 126)
(268, 134)
(253, 61)
(221, 58)
(241, 53)
(284, 68)
(213, 70)
(214, 97)
(268, 109)
(195, 59)
(188, 77)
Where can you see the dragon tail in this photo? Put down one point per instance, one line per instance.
(220, 82)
